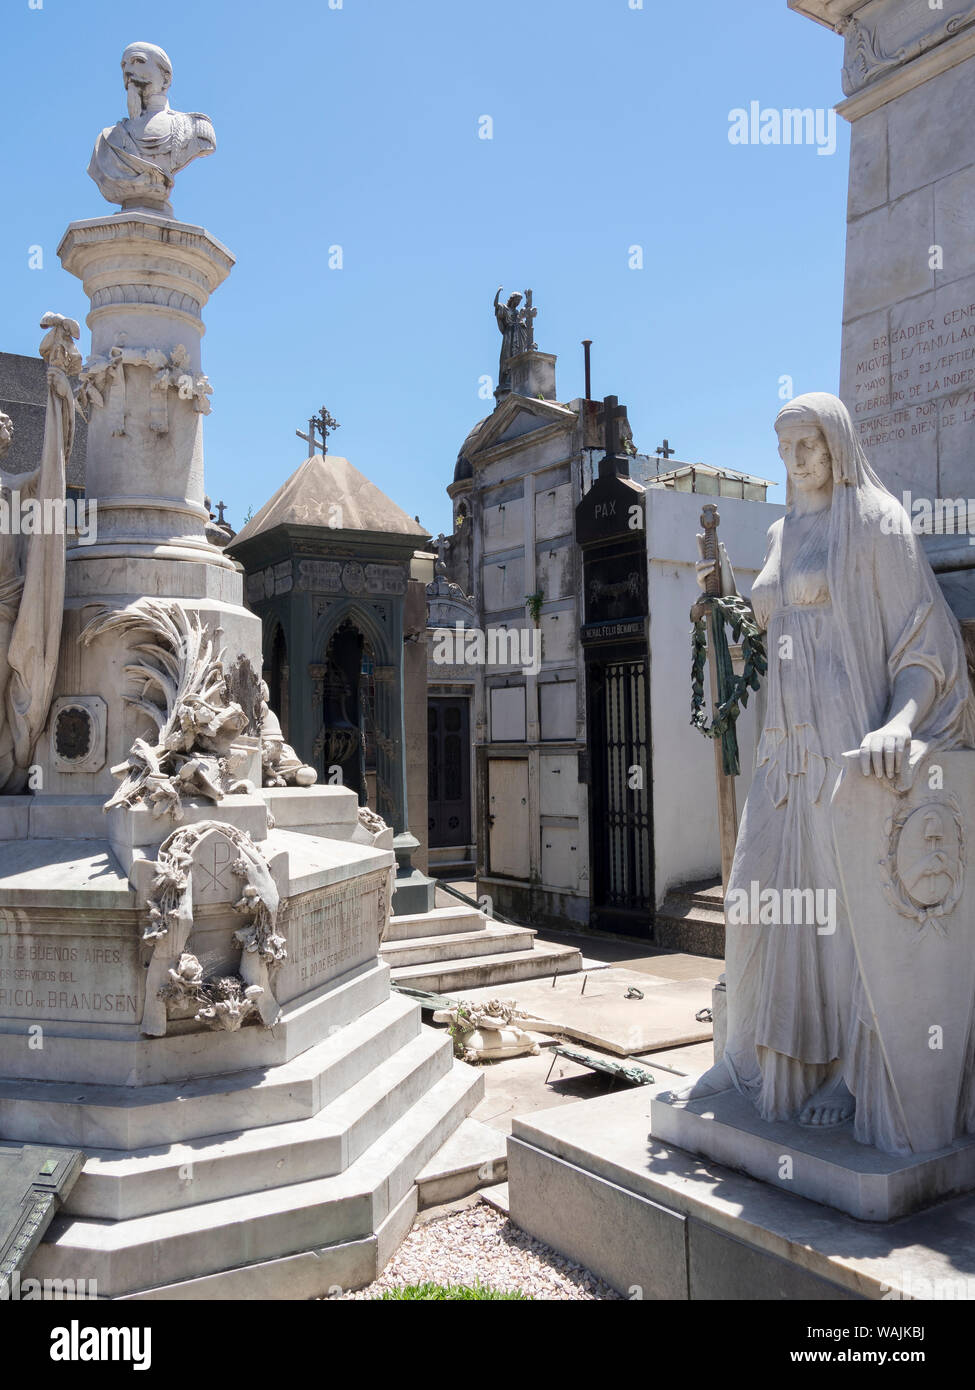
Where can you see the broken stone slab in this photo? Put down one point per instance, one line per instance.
(604, 1017)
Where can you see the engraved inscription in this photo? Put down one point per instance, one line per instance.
(45, 977)
(325, 935)
(902, 378)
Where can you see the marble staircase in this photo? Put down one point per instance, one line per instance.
(286, 1184)
(456, 948)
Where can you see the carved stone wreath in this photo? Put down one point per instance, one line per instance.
(175, 985)
(898, 893)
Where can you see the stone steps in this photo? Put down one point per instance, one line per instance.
(205, 1251)
(691, 919)
(170, 1177)
(490, 940)
(442, 921)
(139, 1061)
(474, 1156)
(477, 971)
(119, 1117)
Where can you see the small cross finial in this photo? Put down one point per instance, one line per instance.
(321, 424)
(664, 450)
(221, 508)
(529, 314)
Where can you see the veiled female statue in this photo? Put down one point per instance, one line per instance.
(32, 565)
(864, 654)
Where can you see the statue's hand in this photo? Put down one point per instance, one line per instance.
(882, 751)
(705, 568)
(60, 384)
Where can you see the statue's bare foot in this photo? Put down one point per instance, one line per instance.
(830, 1105)
(709, 1083)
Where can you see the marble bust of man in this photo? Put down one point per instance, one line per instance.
(134, 161)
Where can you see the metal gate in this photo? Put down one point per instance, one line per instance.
(448, 772)
(622, 865)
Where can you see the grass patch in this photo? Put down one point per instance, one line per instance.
(437, 1292)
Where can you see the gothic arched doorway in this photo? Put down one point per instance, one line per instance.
(355, 737)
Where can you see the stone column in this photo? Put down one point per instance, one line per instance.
(148, 279)
(908, 357)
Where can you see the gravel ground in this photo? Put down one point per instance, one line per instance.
(479, 1243)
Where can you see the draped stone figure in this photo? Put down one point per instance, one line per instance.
(865, 657)
(514, 332)
(32, 564)
(134, 162)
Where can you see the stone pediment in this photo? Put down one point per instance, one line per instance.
(518, 416)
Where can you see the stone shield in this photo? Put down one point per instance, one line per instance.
(910, 901)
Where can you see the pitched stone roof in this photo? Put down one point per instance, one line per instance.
(314, 491)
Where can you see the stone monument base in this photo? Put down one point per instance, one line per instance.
(657, 1222)
(281, 1181)
(826, 1165)
(273, 1158)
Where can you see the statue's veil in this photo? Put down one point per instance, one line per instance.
(862, 512)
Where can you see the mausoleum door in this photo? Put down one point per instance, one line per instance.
(622, 859)
(448, 771)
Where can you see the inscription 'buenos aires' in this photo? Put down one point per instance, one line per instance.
(74, 979)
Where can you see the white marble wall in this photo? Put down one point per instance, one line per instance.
(685, 813)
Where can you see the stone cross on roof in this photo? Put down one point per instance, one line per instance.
(322, 423)
(613, 413)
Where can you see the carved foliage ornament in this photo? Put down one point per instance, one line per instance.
(102, 384)
(868, 58)
(182, 687)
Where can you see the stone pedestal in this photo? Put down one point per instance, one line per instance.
(414, 891)
(533, 375)
(658, 1222)
(828, 1166)
(148, 279)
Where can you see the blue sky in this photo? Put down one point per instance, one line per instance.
(358, 127)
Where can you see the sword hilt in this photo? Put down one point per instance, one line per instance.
(710, 520)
